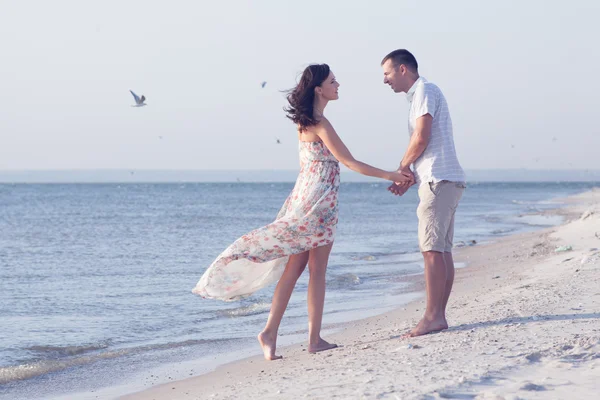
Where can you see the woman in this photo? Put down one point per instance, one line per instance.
(304, 230)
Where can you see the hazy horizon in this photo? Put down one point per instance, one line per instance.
(258, 176)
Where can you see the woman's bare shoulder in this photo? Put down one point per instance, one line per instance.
(315, 130)
(323, 126)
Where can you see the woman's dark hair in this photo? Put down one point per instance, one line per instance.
(302, 97)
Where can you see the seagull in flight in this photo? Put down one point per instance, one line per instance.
(278, 141)
(262, 85)
(139, 101)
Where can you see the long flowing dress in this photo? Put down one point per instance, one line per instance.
(307, 220)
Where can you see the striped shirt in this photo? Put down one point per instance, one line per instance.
(439, 161)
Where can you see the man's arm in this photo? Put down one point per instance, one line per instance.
(417, 145)
(418, 141)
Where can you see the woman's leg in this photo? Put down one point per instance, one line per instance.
(268, 337)
(317, 266)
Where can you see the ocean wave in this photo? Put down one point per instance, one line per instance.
(343, 281)
(364, 258)
(491, 218)
(252, 309)
(540, 220)
(535, 203)
(503, 231)
(66, 351)
(59, 362)
(42, 367)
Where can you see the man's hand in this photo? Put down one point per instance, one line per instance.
(399, 188)
(408, 173)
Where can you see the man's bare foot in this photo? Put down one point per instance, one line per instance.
(321, 346)
(426, 326)
(268, 344)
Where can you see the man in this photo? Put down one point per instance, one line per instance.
(437, 173)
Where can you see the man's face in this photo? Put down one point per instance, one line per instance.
(393, 76)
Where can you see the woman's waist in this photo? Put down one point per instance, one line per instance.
(321, 166)
(317, 158)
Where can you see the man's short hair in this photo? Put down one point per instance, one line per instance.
(402, 56)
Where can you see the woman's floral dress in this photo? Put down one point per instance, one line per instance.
(307, 220)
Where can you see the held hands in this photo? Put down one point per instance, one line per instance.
(398, 190)
(403, 179)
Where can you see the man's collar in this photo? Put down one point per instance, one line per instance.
(413, 88)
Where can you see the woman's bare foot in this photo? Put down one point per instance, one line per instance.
(268, 344)
(426, 326)
(321, 346)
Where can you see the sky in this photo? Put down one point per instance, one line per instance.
(520, 78)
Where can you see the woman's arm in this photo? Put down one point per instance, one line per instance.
(333, 142)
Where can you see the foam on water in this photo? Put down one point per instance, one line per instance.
(540, 220)
(55, 359)
(343, 281)
(252, 309)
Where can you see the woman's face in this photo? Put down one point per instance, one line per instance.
(329, 88)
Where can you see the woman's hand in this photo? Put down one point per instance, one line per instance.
(398, 190)
(401, 178)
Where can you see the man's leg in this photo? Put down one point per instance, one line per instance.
(449, 280)
(436, 216)
(449, 261)
(458, 189)
(435, 286)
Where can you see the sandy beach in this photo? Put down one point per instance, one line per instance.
(524, 324)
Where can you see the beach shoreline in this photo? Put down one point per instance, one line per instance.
(494, 303)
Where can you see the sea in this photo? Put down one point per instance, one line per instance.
(96, 279)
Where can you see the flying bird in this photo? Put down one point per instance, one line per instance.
(278, 141)
(262, 85)
(139, 101)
